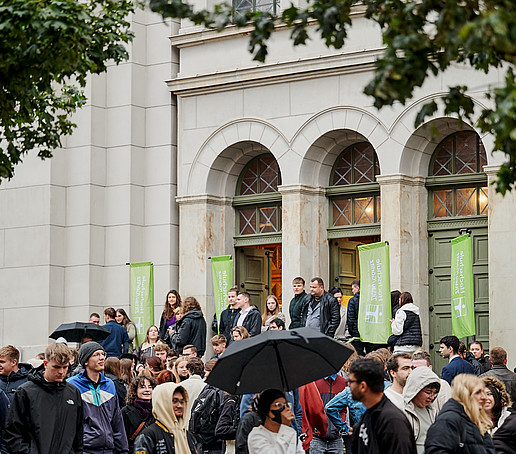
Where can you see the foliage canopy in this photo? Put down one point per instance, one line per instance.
(48, 48)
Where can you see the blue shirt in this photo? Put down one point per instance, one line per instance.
(118, 337)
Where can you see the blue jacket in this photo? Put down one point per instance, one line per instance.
(455, 367)
(113, 343)
(9, 383)
(103, 423)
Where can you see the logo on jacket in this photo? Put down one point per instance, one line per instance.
(70, 401)
(363, 435)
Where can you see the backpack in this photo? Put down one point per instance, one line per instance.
(205, 414)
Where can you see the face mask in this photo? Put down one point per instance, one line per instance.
(277, 416)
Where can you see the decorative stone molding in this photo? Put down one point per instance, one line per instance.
(457, 223)
(399, 178)
(491, 170)
(203, 199)
(353, 231)
(253, 240)
(302, 189)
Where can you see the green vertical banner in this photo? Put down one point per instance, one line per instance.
(142, 298)
(374, 310)
(462, 294)
(222, 273)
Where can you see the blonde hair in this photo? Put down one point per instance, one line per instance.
(59, 353)
(463, 388)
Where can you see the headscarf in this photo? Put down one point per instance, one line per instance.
(163, 411)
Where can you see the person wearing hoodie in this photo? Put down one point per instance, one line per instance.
(104, 430)
(4, 409)
(419, 405)
(462, 426)
(193, 327)
(46, 414)
(12, 372)
(168, 433)
(406, 325)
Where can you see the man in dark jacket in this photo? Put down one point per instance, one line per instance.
(12, 372)
(361, 347)
(46, 414)
(450, 349)
(498, 358)
(227, 316)
(118, 341)
(249, 317)
(320, 311)
(383, 428)
(103, 426)
(296, 304)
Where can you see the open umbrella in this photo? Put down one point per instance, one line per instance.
(278, 359)
(75, 332)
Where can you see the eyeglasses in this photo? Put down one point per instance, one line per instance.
(280, 406)
(178, 402)
(99, 355)
(354, 381)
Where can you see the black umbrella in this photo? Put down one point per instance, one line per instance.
(75, 332)
(278, 359)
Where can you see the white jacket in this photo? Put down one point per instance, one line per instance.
(263, 441)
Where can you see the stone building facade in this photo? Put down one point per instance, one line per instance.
(191, 150)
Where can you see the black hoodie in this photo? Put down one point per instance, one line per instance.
(45, 418)
(192, 331)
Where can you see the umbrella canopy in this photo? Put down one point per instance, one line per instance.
(278, 359)
(75, 332)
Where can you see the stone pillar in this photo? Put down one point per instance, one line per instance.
(206, 229)
(502, 256)
(404, 203)
(305, 247)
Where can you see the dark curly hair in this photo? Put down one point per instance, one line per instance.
(135, 384)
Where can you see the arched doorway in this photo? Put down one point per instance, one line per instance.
(458, 203)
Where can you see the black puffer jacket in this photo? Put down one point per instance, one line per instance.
(505, 437)
(45, 418)
(192, 332)
(8, 384)
(454, 432)
(227, 318)
(353, 315)
(330, 313)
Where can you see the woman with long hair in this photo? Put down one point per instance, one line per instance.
(172, 301)
(123, 319)
(137, 414)
(193, 327)
(179, 370)
(497, 401)
(239, 333)
(153, 363)
(406, 326)
(272, 311)
(113, 371)
(462, 426)
(127, 371)
(146, 348)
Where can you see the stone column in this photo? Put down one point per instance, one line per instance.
(305, 247)
(206, 229)
(404, 203)
(502, 256)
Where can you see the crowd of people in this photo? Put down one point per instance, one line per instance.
(113, 397)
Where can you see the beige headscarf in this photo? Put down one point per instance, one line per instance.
(163, 411)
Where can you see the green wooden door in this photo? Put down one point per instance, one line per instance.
(253, 272)
(439, 254)
(344, 266)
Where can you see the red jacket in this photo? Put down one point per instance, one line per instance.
(314, 417)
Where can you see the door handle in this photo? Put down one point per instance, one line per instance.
(431, 346)
(431, 308)
(336, 279)
(430, 271)
(242, 285)
(266, 287)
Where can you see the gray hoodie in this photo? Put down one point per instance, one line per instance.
(418, 379)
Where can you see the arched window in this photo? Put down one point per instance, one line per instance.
(258, 202)
(456, 183)
(354, 193)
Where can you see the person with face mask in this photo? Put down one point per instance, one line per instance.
(274, 435)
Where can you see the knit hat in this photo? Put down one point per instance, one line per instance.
(87, 350)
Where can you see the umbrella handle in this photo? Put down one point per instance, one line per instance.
(296, 333)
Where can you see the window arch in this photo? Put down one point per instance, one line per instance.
(257, 201)
(353, 192)
(457, 186)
